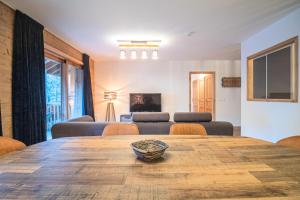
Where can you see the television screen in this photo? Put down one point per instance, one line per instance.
(145, 102)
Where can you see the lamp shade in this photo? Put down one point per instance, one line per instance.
(110, 96)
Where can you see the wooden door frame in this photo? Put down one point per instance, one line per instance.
(190, 90)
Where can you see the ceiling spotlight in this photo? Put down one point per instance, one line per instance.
(154, 54)
(139, 49)
(133, 55)
(122, 54)
(144, 55)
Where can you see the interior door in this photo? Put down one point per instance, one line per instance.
(201, 95)
(195, 96)
(209, 93)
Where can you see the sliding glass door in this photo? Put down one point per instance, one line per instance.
(75, 91)
(64, 92)
(53, 93)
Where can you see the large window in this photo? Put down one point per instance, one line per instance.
(64, 91)
(272, 73)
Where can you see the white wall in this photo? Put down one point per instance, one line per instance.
(269, 121)
(171, 79)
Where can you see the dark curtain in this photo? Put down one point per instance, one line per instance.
(1, 134)
(28, 81)
(87, 88)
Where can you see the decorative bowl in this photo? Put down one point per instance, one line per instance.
(149, 150)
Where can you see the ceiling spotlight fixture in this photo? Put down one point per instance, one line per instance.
(133, 55)
(144, 55)
(141, 47)
(154, 55)
(122, 54)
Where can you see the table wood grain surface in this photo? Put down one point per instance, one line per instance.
(193, 167)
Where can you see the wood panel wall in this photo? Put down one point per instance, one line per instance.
(57, 43)
(6, 47)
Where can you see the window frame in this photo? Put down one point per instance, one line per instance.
(293, 43)
(66, 61)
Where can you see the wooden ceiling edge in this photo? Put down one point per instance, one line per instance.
(61, 40)
(52, 50)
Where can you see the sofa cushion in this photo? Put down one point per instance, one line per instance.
(154, 128)
(8, 145)
(71, 129)
(218, 128)
(192, 117)
(150, 117)
(85, 118)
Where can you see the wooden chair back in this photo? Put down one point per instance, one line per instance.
(120, 129)
(8, 145)
(187, 129)
(292, 142)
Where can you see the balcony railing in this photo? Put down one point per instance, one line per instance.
(54, 113)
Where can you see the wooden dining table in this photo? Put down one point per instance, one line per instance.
(193, 167)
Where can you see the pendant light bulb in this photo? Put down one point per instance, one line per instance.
(154, 54)
(144, 55)
(133, 55)
(122, 54)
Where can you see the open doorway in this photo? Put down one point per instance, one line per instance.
(202, 92)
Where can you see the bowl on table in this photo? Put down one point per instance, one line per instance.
(149, 150)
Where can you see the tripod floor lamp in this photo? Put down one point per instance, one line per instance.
(110, 110)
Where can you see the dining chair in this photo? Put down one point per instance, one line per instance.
(8, 145)
(120, 129)
(187, 129)
(293, 142)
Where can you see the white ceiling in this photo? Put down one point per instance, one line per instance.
(218, 26)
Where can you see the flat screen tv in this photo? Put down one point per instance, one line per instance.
(145, 102)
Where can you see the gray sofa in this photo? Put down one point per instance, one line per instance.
(82, 126)
(152, 123)
(148, 123)
(212, 127)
